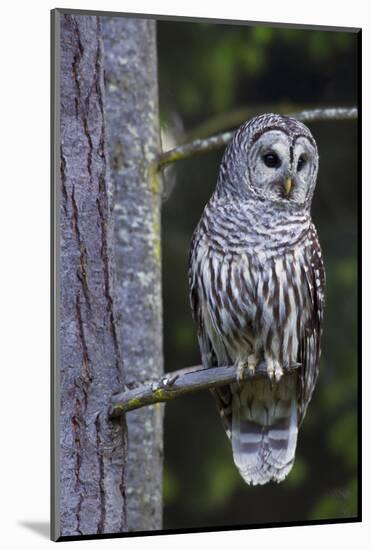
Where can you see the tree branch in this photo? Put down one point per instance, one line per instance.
(331, 113)
(225, 120)
(181, 382)
(214, 142)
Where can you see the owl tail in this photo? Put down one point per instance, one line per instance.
(263, 427)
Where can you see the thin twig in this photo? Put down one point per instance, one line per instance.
(232, 118)
(332, 113)
(214, 142)
(181, 382)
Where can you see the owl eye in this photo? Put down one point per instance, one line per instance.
(301, 162)
(271, 160)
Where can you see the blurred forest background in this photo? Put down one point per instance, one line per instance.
(212, 77)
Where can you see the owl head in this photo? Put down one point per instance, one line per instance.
(272, 158)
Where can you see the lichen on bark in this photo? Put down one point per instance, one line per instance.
(134, 145)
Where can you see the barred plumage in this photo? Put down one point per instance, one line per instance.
(256, 285)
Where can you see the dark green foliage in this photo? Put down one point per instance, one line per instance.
(206, 68)
(206, 72)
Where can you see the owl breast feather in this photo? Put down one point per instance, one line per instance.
(251, 303)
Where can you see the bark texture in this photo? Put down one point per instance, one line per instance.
(134, 144)
(92, 449)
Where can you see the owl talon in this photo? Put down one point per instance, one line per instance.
(278, 372)
(251, 364)
(251, 370)
(246, 370)
(270, 371)
(240, 372)
(274, 371)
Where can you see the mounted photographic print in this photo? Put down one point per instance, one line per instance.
(205, 235)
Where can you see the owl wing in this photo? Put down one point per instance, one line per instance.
(207, 353)
(310, 340)
(222, 394)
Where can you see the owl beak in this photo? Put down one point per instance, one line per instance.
(287, 186)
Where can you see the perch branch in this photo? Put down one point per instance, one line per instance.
(214, 142)
(181, 382)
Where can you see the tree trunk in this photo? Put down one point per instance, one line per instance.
(92, 466)
(133, 133)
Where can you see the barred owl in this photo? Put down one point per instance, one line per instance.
(257, 290)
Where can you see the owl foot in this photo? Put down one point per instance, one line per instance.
(278, 371)
(248, 367)
(241, 367)
(274, 370)
(252, 361)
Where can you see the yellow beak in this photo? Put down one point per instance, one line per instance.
(288, 185)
